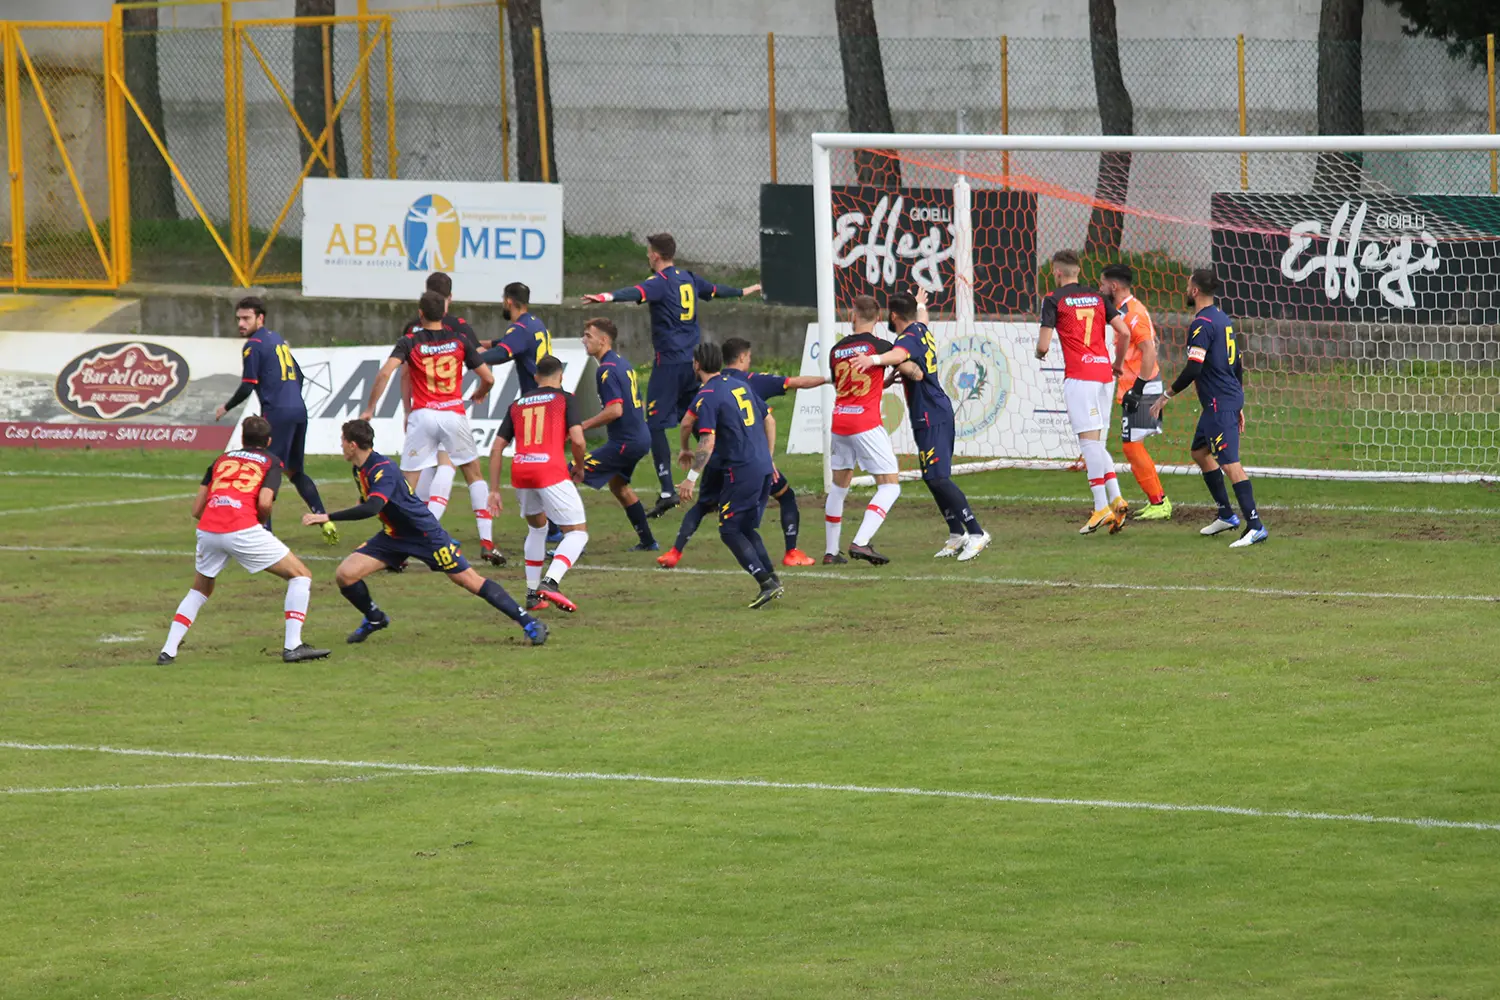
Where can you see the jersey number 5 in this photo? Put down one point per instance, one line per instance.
(685, 294)
(1229, 343)
(747, 408)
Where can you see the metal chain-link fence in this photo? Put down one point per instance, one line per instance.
(676, 135)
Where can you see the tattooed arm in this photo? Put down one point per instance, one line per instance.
(689, 485)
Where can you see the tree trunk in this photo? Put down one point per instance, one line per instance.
(1340, 91)
(1116, 117)
(151, 193)
(521, 17)
(308, 91)
(864, 89)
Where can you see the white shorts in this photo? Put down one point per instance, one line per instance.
(1089, 404)
(253, 548)
(871, 450)
(560, 502)
(431, 431)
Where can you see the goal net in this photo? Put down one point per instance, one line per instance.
(1363, 275)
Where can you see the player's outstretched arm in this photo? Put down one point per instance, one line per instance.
(805, 381)
(614, 411)
(371, 506)
(381, 381)
(649, 290)
(1189, 375)
(891, 358)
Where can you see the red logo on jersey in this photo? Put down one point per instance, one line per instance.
(121, 380)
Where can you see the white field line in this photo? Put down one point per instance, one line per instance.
(58, 474)
(75, 789)
(813, 574)
(781, 786)
(95, 503)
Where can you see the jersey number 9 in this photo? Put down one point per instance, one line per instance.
(685, 294)
(747, 408)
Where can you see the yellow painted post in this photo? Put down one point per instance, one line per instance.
(231, 124)
(541, 102)
(17, 163)
(390, 103)
(1005, 103)
(771, 90)
(504, 100)
(116, 146)
(1489, 44)
(363, 10)
(1239, 48)
(241, 151)
(328, 103)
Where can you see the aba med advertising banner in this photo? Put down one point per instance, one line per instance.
(1006, 403)
(87, 390)
(380, 239)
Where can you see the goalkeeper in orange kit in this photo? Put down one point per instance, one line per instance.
(1138, 386)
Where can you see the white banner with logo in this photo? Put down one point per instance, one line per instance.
(1006, 404)
(338, 382)
(380, 239)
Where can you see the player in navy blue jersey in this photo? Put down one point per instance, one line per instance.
(526, 340)
(736, 354)
(1214, 365)
(672, 295)
(931, 414)
(730, 420)
(274, 376)
(627, 439)
(408, 531)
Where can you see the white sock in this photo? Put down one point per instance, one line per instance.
(535, 551)
(479, 499)
(880, 505)
(424, 483)
(438, 488)
(298, 593)
(1111, 483)
(1096, 461)
(833, 518)
(567, 553)
(183, 620)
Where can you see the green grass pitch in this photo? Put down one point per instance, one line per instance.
(1338, 677)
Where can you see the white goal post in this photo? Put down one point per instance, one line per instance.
(1363, 273)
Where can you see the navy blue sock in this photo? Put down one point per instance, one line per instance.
(1246, 496)
(358, 595)
(955, 507)
(791, 517)
(496, 597)
(744, 552)
(637, 514)
(661, 457)
(690, 521)
(759, 544)
(308, 491)
(1215, 481)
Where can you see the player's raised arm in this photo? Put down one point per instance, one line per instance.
(381, 381)
(920, 294)
(651, 290)
(890, 359)
(711, 290)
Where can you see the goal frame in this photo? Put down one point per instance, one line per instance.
(824, 143)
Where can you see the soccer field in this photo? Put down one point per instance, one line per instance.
(1131, 766)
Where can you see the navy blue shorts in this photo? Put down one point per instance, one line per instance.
(742, 499)
(288, 439)
(669, 393)
(935, 450)
(438, 552)
(1219, 432)
(711, 485)
(612, 459)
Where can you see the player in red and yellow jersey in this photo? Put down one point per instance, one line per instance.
(232, 506)
(543, 423)
(859, 436)
(1139, 386)
(436, 355)
(1082, 317)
